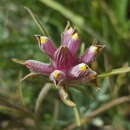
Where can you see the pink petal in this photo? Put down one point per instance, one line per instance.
(39, 67)
(81, 74)
(63, 59)
(90, 76)
(57, 76)
(91, 53)
(73, 44)
(70, 39)
(66, 35)
(79, 71)
(46, 45)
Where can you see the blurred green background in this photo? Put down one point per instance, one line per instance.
(105, 20)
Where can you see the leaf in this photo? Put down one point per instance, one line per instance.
(29, 75)
(114, 72)
(119, 9)
(42, 95)
(65, 97)
(37, 22)
(64, 11)
(75, 18)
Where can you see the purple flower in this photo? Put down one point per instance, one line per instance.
(65, 67)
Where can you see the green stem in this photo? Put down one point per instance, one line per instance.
(37, 22)
(77, 116)
(42, 95)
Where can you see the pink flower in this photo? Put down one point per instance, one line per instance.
(65, 67)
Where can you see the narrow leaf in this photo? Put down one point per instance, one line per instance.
(36, 21)
(65, 97)
(77, 116)
(64, 11)
(42, 95)
(72, 16)
(28, 76)
(114, 72)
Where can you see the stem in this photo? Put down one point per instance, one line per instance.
(77, 116)
(36, 21)
(41, 97)
(21, 94)
(76, 112)
(65, 97)
(29, 75)
(55, 114)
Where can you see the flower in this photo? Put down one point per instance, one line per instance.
(65, 66)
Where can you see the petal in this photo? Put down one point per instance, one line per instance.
(79, 71)
(66, 35)
(92, 75)
(73, 43)
(81, 74)
(46, 45)
(57, 76)
(91, 53)
(63, 59)
(70, 39)
(39, 67)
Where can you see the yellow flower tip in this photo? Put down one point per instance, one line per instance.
(56, 74)
(43, 39)
(93, 49)
(83, 67)
(75, 36)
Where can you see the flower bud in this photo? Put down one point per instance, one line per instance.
(57, 76)
(39, 67)
(91, 53)
(46, 45)
(79, 70)
(70, 39)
